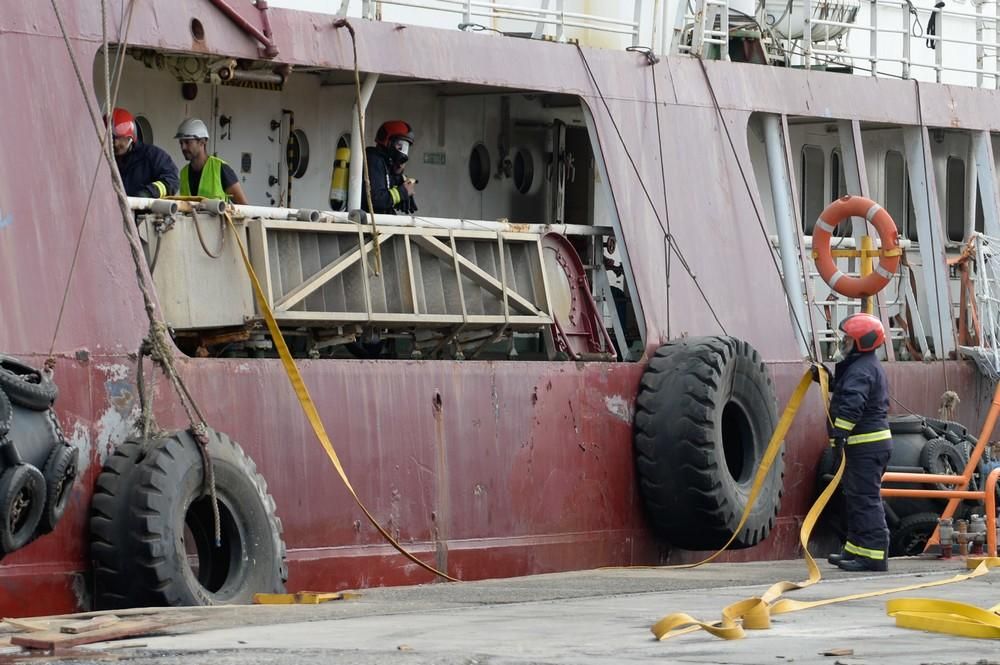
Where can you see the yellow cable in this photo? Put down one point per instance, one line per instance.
(755, 613)
(309, 407)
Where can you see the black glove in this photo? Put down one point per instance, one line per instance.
(815, 371)
(840, 442)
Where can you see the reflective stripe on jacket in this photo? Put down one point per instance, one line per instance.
(859, 406)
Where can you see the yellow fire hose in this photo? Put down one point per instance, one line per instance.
(755, 613)
(752, 613)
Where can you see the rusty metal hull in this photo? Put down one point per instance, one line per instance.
(487, 469)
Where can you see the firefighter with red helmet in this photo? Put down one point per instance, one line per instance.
(859, 428)
(392, 192)
(146, 170)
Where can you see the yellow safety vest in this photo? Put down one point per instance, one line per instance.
(210, 185)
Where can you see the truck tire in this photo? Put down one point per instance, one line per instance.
(705, 413)
(25, 385)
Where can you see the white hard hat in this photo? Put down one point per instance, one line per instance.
(192, 128)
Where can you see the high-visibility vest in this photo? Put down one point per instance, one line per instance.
(210, 185)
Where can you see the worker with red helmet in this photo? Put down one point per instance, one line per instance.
(146, 170)
(392, 192)
(859, 428)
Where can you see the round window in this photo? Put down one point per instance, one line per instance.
(143, 129)
(524, 171)
(297, 153)
(479, 166)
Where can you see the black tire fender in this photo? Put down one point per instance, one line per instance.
(941, 457)
(60, 473)
(911, 534)
(25, 385)
(112, 552)
(22, 502)
(704, 415)
(169, 512)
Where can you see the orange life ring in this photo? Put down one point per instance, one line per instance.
(844, 208)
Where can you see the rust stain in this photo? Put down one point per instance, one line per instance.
(441, 514)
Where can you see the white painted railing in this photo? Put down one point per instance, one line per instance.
(957, 43)
(550, 19)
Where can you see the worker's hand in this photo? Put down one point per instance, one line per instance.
(410, 185)
(816, 369)
(839, 443)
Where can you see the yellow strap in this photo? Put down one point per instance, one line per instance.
(309, 407)
(755, 613)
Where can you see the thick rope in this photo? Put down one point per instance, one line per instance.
(157, 329)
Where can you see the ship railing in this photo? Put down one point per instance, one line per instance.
(893, 25)
(879, 38)
(548, 19)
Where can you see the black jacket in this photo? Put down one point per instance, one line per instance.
(148, 171)
(388, 195)
(860, 400)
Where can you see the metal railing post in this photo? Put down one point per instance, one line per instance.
(938, 44)
(980, 51)
(637, 18)
(873, 39)
(906, 42)
(467, 12)
(561, 21)
(807, 31)
(996, 42)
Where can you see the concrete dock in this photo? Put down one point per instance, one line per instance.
(588, 618)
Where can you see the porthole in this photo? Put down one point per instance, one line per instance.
(297, 153)
(479, 166)
(197, 30)
(524, 171)
(143, 129)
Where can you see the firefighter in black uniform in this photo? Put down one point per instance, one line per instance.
(392, 192)
(146, 170)
(859, 427)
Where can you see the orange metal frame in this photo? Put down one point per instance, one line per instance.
(954, 496)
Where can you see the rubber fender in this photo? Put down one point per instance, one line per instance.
(165, 498)
(25, 385)
(705, 413)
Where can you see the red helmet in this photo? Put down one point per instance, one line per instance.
(866, 331)
(122, 124)
(395, 136)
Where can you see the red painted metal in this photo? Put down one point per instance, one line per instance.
(264, 37)
(523, 467)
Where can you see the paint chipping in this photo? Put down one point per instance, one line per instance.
(115, 373)
(79, 437)
(619, 407)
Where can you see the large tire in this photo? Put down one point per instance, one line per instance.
(940, 457)
(171, 523)
(910, 536)
(704, 415)
(60, 474)
(22, 501)
(111, 550)
(25, 385)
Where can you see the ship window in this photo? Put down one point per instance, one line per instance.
(955, 199)
(838, 179)
(813, 186)
(980, 224)
(143, 129)
(524, 171)
(896, 194)
(479, 166)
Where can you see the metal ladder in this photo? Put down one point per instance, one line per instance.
(699, 26)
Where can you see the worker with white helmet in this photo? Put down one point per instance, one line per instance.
(205, 175)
